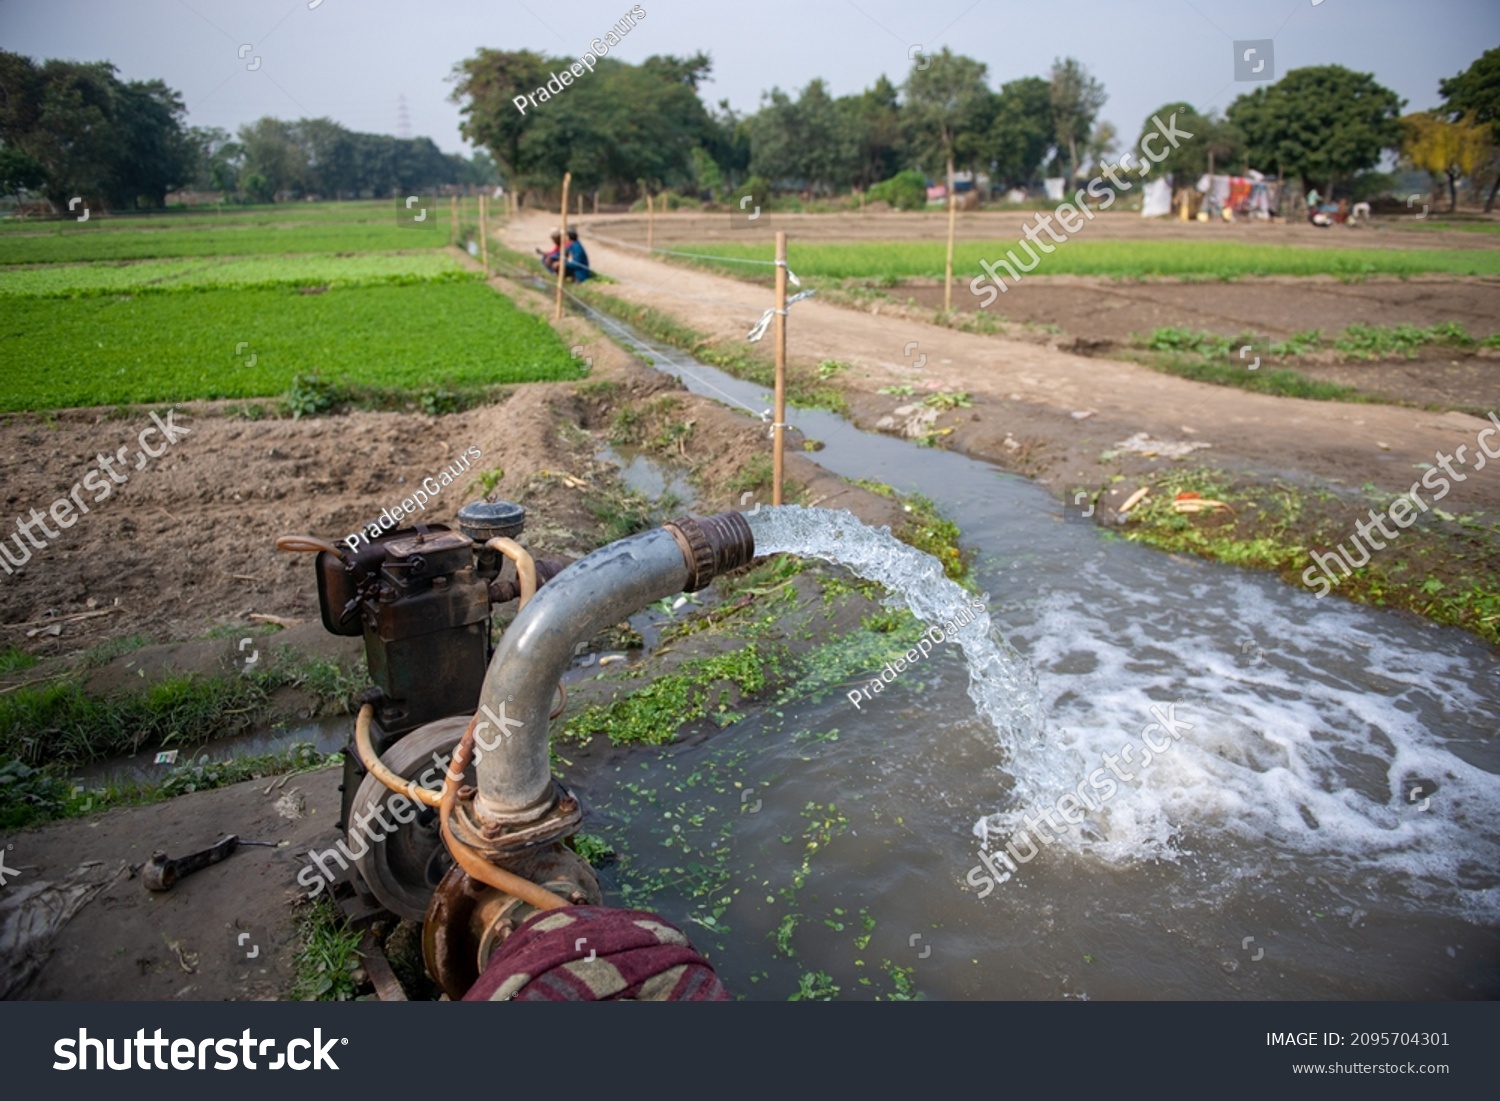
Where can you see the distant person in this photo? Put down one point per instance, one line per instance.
(549, 259)
(1315, 212)
(578, 258)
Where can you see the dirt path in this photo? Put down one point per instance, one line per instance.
(1027, 393)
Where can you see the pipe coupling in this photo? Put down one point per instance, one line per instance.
(712, 545)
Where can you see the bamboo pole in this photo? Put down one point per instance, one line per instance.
(453, 219)
(562, 245)
(779, 429)
(484, 233)
(952, 225)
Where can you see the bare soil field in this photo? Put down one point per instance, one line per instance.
(1100, 316)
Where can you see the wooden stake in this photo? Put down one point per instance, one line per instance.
(779, 431)
(650, 222)
(484, 233)
(562, 245)
(952, 223)
(453, 219)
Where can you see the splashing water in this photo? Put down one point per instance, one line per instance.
(1002, 686)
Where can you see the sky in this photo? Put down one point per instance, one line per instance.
(360, 62)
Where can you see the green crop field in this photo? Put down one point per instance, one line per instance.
(59, 353)
(71, 243)
(158, 276)
(1123, 259)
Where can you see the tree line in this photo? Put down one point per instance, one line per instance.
(630, 127)
(72, 128)
(75, 129)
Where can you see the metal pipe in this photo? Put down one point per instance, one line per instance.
(597, 591)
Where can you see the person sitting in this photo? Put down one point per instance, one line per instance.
(549, 259)
(578, 258)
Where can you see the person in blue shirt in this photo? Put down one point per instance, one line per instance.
(578, 258)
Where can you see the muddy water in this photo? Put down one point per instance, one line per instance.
(326, 735)
(1318, 819)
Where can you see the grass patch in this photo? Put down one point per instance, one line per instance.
(757, 475)
(240, 273)
(58, 723)
(1122, 259)
(625, 512)
(66, 242)
(1443, 567)
(30, 796)
(327, 955)
(653, 714)
(1211, 357)
(1281, 381)
(107, 651)
(927, 529)
(13, 660)
(178, 347)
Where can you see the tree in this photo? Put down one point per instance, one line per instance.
(1021, 130)
(110, 143)
(945, 102)
(615, 125)
(948, 105)
(60, 115)
(1476, 92)
(1442, 148)
(1102, 142)
(874, 116)
(808, 140)
(1215, 146)
(19, 173)
(1320, 124)
(217, 157)
(156, 152)
(1076, 98)
(272, 159)
(485, 87)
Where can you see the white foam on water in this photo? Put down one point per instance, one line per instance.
(1305, 741)
(1298, 747)
(1001, 683)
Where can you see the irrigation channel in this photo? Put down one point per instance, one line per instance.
(1326, 784)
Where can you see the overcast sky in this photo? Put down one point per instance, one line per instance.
(353, 60)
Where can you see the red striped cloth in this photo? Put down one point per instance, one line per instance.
(594, 953)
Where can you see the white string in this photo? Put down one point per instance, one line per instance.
(693, 255)
(765, 319)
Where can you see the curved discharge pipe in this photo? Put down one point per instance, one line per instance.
(597, 591)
